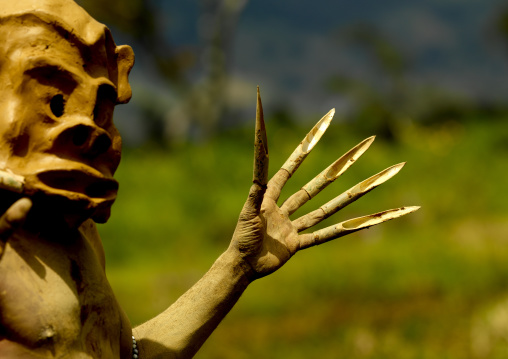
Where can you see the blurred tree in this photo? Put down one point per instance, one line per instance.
(388, 101)
(200, 98)
(501, 27)
(206, 101)
(378, 107)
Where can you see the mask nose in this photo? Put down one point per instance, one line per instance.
(82, 137)
(91, 141)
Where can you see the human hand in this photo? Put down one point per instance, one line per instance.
(13, 219)
(265, 236)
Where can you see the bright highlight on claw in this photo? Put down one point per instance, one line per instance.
(360, 189)
(308, 143)
(353, 225)
(356, 224)
(330, 174)
(336, 169)
(346, 198)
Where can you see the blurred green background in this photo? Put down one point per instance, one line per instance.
(433, 284)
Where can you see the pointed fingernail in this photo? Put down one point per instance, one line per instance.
(317, 132)
(378, 179)
(260, 175)
(311, 139)
(336, 169)
(377, 218)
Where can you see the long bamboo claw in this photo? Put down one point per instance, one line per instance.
(346, 198)
(356, 224)
(330, 174)
(335, 170)
(308, 143)
(353, 225)
(361, 189)
(260, 175)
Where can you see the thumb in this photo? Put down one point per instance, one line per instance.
(252, 206)
(14, 217)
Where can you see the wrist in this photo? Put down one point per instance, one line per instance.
(237, 262)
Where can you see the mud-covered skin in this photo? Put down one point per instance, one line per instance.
(66, 269)
(61, 76)
(58, 131)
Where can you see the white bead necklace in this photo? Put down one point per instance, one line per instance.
(134, 348)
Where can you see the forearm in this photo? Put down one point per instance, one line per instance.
(180, 331)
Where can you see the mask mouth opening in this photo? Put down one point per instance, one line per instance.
(76, 181)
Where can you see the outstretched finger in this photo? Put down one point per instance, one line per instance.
(299, 154)
(276, 184)
(345, 198)
(352, 225)
(260, 174)
(14, 217)
(321, 181)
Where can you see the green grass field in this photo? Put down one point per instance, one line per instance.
(431, 285)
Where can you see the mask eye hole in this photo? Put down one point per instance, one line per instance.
(57, 105)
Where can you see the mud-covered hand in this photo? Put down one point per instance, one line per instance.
(265, 236)
(13, 219)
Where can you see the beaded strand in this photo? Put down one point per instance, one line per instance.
(134, 348)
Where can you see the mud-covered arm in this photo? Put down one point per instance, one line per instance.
(182, 329)
(264, 240)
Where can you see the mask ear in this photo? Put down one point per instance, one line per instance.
(125, 61)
